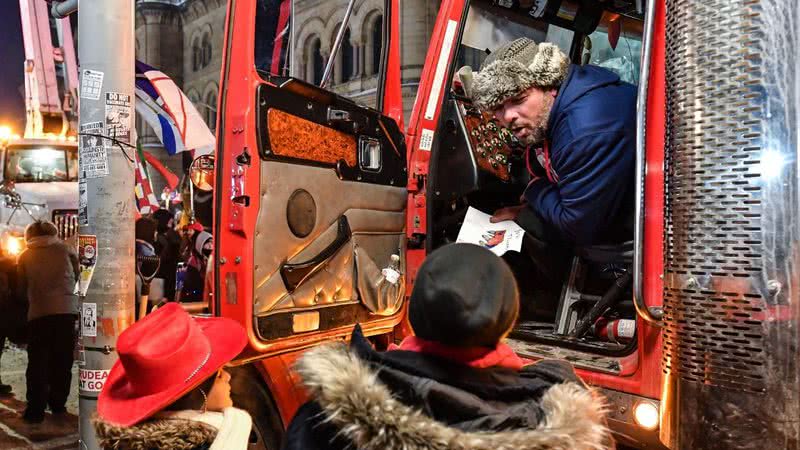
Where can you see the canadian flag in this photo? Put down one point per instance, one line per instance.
(146, 201)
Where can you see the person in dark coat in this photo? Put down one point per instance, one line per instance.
(455, 384)
(194, 282)
(578, 124)
(48, 271)
(168, 244)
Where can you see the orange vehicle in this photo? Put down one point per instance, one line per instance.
(316, 193)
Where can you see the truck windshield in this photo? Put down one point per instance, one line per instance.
(33, 164)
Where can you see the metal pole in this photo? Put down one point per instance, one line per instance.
(63, 9)
(106, 55)
(336, 44)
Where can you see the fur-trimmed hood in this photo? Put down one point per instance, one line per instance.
(353, 398)
(155, 434)
(179, 430)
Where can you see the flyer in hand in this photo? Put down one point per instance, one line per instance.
(498, 237)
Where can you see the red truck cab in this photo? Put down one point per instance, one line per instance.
(320, 188)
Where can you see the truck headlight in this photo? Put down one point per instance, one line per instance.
(13, 245)
(646, 415)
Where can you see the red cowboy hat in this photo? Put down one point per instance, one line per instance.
(163, 357)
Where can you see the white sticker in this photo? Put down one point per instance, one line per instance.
(118, 117)
(83, 202)
(426, 140)
(391, 275)
(92, 155)
(81, 358)
(89, 319)
(92, 380)
(626, 328)
(91, 84)
(441, 69)
(538, 8)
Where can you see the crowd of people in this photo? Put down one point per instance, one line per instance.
(183, 252)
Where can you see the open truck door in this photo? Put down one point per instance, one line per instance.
(310, 185)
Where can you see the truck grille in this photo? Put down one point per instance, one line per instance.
(66, 221)
(730, 340)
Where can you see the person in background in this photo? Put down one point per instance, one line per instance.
(47, 273)
(145, 230)
(194, 282)
(167, 244)
(455, 384)
(168, 389)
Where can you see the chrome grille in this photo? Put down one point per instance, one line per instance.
(731, 284)
(714, 208)
(66, 221)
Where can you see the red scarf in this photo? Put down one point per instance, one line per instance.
(478, 357)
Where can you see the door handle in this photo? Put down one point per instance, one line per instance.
(651, 315)
(294, 275)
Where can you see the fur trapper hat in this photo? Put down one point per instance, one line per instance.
(516, 67)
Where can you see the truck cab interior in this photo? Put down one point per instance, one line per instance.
(478, 163)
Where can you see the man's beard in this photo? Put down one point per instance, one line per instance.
(537, 134)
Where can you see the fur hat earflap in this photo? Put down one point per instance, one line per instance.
(516, 67)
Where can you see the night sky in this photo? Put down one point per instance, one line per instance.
(12, 59)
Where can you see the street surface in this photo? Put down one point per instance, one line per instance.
(55, 433)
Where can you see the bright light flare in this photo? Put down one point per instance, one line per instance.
(772, 164)
(646, 415)
(13, 245)
(5, 133)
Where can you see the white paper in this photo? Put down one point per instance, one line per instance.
(498, 237)
(89, 319)
(91, 84)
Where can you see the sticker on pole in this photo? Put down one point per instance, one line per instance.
(87, 260)
(92, 156)
(92, 380)
(91, 84)
(118, 117)
(89, 319)
(83, 202)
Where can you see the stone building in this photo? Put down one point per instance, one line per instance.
(184, 38)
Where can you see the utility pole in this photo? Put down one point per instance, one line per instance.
(106, 57)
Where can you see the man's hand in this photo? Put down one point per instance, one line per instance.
(507, 213)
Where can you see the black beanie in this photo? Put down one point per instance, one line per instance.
(464, 296)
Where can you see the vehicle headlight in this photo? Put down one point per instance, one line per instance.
(13, 245)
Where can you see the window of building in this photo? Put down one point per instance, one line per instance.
(206, 52)
(273, 29)
(314, 61)
(375, 45)
(210, 108)
(197, 54)
(347, 55)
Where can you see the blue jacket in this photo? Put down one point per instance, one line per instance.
(592, 136)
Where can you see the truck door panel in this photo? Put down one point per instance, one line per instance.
(331, 212)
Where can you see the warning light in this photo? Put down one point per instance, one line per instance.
(646, 415)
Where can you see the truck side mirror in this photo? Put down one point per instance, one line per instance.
(201, 172)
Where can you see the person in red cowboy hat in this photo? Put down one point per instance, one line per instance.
(168, 389)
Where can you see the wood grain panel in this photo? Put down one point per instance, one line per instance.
(294, 137)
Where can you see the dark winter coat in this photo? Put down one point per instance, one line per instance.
(47, 272)
(168, 246)
(592, 138)
(363, 399)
